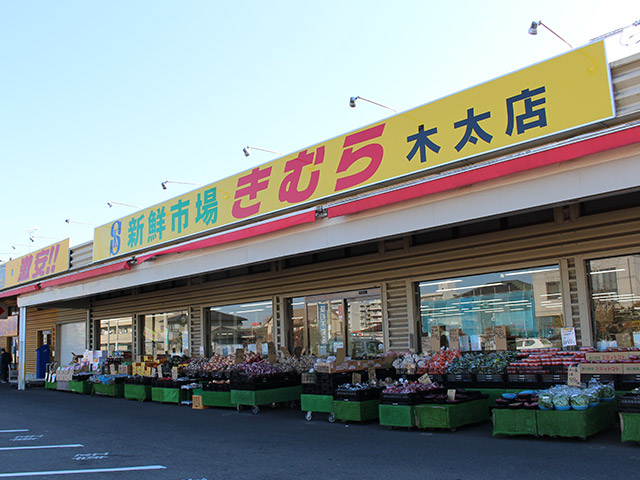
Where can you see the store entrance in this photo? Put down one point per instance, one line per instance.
(322, 324)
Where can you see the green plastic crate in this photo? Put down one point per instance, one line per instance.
(575, 423)
(397, 416)
(266, 397)
(630, 427)
(514, 422)
(316, 403)
(80, 387)
(170, 395)
(214, 399)
(451, 416)
(51, 385)
(142, 393)
(348, 411)
(115, 390)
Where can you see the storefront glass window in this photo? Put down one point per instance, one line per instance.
(323, 324)
(615, 300)
(527, 301)
(116, 335)
(166, 333)
(240, 325)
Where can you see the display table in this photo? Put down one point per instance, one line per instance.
(350, 411)
(170, 395)
(397, 415)
(214, 399)
(115, 390)
(514, 422)
(574, 423)
(451, 416)
(142, 393)
(51, 385)
(311, 404)
(80, 387)
(254, 398)
(630, 427)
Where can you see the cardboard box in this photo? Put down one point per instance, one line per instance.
(608, 356)
(602, 368)
(631, 368)
(197, 402)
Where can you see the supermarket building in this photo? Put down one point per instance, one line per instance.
(515, 203)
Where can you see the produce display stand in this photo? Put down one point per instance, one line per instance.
(511, 422)
(630, 427)
(268, 396)
(354, 411)
(575, 423)
(80, 387)
(115, 390)
(317, 404)
(451, 416)
(142, 393)
(214, 399)
(62, 386)
(397, 415)
(51, 385)
(170, 395)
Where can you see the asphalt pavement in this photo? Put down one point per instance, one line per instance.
(51, 434)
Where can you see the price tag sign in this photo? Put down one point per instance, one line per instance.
(112, 369)
(451, 394)
(285, 352)
(174, 373)
(356, 378)
(568, 337)
(454, 339)
(271, 348)
(573, 379)
(297, 351)
(159, 370)
(500, 337)
(340, 356)
(426, 380)
(372, 373)
(426, 344)
(239, 355)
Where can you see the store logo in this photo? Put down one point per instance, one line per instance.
(116, 230)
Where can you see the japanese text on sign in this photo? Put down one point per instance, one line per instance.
(537, 101)
(35, 266)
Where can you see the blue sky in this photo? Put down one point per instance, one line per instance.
(102, 101)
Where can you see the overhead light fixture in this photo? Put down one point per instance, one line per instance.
(352, 103)
(533, 30)
(616, 31)
(164, 184)
(112, 203)
(246, 152)
(81, 223)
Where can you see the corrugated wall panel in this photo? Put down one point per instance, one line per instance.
(543, 244)
(37, 321)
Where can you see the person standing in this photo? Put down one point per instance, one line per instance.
(5, 361)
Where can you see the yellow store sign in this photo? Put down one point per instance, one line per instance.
(34, 266)
(560, 94)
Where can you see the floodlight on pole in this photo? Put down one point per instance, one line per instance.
(80, 223)
(112, 203)
(246, 149)
(533, 30)
(615, 32)
(164, 184)
(352, 103)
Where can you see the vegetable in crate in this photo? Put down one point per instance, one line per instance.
(545, 401)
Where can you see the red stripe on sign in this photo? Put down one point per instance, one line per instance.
(490, 172)
(242, 234)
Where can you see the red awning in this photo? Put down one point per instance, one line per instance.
(490, 172)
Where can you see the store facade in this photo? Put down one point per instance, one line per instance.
(543, 236)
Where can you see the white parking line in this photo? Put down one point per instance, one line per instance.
(14, 431)
(88, 470)
(36, 447)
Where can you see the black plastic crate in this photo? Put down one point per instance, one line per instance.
(629, 403)
(601, 377)
(490, 380)
(628, 381)
(454, 380)
(216, 387)
(255, 383)
(550, 379)
(358, 395)
(523, 380)
(390, 398)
